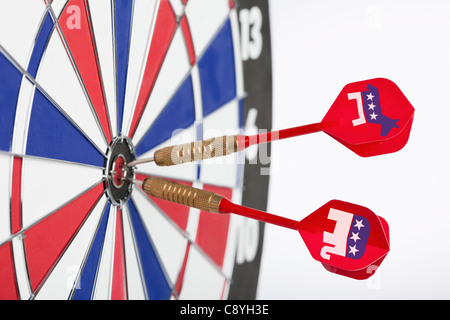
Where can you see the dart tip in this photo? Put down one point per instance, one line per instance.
(138, 182)
(136, 162)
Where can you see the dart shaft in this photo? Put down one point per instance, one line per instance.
(222, 146)
(265, 137)
(207, 201)
(227, 206)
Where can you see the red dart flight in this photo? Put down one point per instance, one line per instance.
(347, 238)
(370, 117)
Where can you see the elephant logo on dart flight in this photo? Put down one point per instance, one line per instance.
(369, 110)
(350, 235)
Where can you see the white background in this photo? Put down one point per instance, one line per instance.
(318, 47)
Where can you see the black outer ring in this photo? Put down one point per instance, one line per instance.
(258, 87)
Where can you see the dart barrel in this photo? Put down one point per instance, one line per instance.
(195, 151)
(182, 194)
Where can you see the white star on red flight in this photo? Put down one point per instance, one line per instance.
(355, 236)
(353, 250)
(359, 224)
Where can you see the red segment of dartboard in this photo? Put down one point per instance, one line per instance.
(85, 58)
(346, 238)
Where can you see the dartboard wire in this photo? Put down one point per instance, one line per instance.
(138, 255)
(86, 255)
(240, 95)
(23, 230)
(52, 101)
(100, 74)
(110, 232)
(114, 28)
(114, 62)
(30, 294)
(49, 272)
(185, 234)
(188, 73)
(77, 72)
(159, 70)
(25, 156)
(126, 129)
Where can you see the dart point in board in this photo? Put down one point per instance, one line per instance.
(347, 239)
(371, 117)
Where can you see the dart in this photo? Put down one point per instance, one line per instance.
(370, 117)
(347, 239)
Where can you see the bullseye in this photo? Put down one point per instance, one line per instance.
(118, 185)
(118, 172)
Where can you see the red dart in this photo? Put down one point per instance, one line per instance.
(370, 117)
(348, 239)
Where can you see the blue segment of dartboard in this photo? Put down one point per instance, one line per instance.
(123, 11)
(178, 114)
(52, 135)
(85, 286)
(217, 71)
(40, 45)
(10, 80)
(156, 283)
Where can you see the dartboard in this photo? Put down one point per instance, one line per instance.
(88, 85)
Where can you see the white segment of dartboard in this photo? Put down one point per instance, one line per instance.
(22, 118)
(232, 236)
(135, 287)
(202, 279)
(100, 13)
(57, 77)
(103, 281)
(58, 5)
(173, 71)
(66, 272)
(197, 90)
(205, 19)
(17, 36)
(221, 171)
(20, 266)
(5, 192)
(186, 171)
(144, 17)
(178, 7)
(168, 240)
(48, 184)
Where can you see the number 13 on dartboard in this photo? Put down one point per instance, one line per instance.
(251, 37)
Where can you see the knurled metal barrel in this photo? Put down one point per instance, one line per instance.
(195, 151)
(182, 194)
